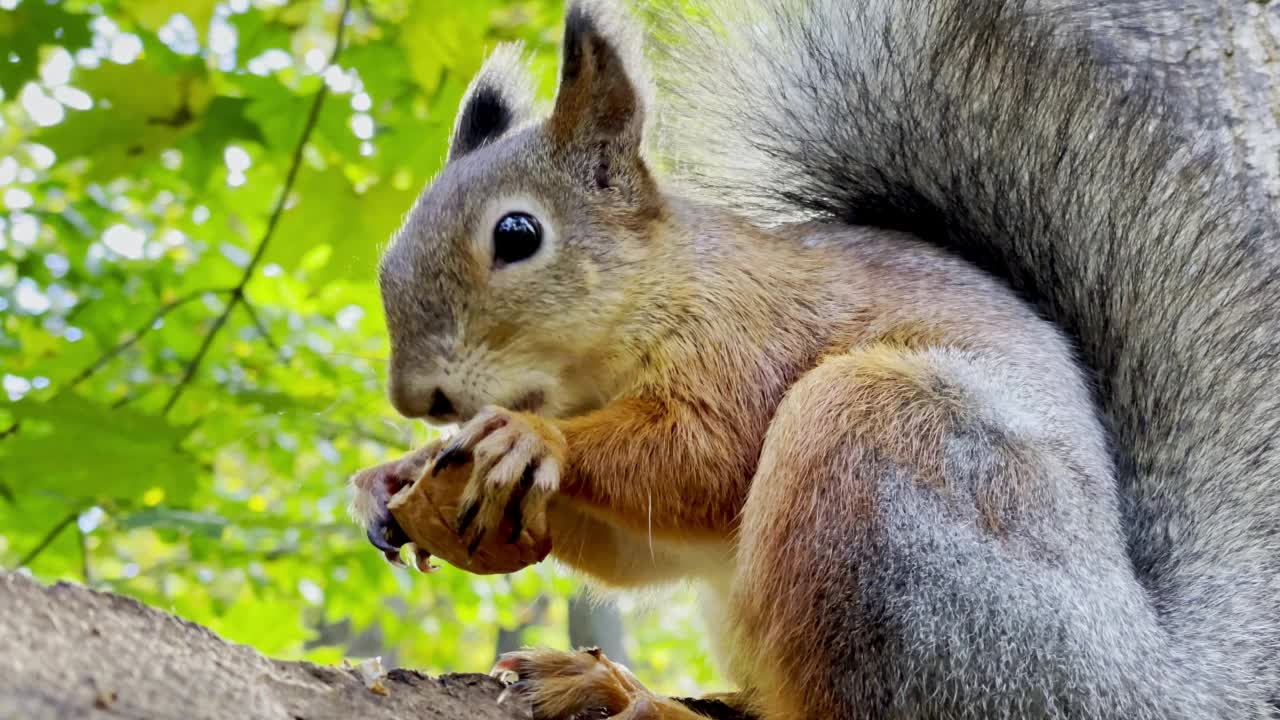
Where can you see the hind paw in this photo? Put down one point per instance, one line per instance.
(582, 685)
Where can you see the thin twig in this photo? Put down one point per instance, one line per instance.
(48, 539)
(141, 332)
(198, 358)
(237, 294)
(262, 330)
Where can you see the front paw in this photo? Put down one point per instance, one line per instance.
(372, 490)
(516, 459)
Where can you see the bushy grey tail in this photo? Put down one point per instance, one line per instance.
(1001, 134)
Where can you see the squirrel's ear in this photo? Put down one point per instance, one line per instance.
(499, 98)
(601, 92)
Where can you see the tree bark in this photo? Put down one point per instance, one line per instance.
(1225, 56)
(67, 651)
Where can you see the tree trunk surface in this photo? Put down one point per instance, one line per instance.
(66, 651)
(1225, 57)
(70, 652)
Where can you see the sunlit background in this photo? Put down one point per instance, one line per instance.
(192, 200)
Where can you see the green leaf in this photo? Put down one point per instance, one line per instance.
(32, 25)
(31, 515)
(330, 212)
(153, 14)
(76, 448)
(383, 69)
(140, 111)
(276, 109)
(156, 96)
(255, 33)
(225, 121)
(457, 39)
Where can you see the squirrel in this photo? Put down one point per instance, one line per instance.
(936, 352)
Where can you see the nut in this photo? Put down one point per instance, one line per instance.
(427, 510)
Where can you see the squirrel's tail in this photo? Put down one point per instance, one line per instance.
(985, 128)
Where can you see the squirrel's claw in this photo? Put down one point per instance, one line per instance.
(453, 456)
(387, 535)
(374, 487)
(517, 458)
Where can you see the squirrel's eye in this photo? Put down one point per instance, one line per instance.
(516, 237)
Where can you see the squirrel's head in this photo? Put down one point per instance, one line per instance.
(511, 277)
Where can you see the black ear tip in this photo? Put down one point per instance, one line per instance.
(488, 112)
(578, 21)
(579, 27)
(487, 115)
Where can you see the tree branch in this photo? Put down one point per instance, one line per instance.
(237, 294)
(141, 332)
(262, 330)
(198, 358)
(48, 539)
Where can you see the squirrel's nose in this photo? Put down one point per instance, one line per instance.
(430, 402)
(441, 407)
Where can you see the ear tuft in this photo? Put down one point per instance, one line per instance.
(603, 85)
(499, 98)
(580, 30)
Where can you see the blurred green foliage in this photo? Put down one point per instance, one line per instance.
(184, 403)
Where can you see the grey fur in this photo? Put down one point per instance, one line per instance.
(1008, 135)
